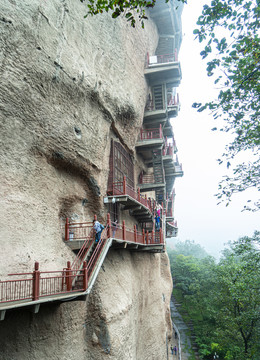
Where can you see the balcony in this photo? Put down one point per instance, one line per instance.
(139, 206)
(149, 140)
(158, 112)
(170, 206)
(171, 229)
(147, 183)
(162, 68)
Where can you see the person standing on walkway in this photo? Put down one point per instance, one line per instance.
(175, 350)
(114, 227)
(172, 349)
(98, 228)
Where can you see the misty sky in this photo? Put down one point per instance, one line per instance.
(196, 211)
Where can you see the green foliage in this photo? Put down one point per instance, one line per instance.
(130, 9)
(223, 299)
(234, 54)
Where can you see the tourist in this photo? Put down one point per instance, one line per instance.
(157, 223)
(98, 228)
(172, 349)
(175, 350)
(114, 227)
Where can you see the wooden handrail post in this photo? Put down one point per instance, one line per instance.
(147, 238)
(146, 200)
(68, 276)
(135, 233)
(139, 194)
(85, 276)
(153, 237)
(124, 230)
(143, 236)
(108, 226)
(36, 282)
(67, 235)
(124, 185)
(161, 237)
(160, 131)
(95, 217)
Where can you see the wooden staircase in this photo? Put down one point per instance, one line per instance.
(159, 177)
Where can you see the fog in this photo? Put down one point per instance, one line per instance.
(196, 211)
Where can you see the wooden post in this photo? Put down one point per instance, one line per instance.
(160, 131)
(95, 217)
(124, 185)
(68, 276)
(161, 236)
(124, 230)
(146, 200)
(108, 226)
(147, 238)
(36, 282)
(85, 276)
(67, 235)
(143, 236)
(135, 233)
(139, 194)
(153, 237)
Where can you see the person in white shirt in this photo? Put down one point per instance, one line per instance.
(98, 228)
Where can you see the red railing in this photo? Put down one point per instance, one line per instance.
(77, 231)
(168, 150)
(172, 101)
(75, 277)
(132, 235)
(122, 188)
(42, 284)
(150, 134)
(173, 223)
(161, 59)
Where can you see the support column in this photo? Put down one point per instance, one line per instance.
(36, 282)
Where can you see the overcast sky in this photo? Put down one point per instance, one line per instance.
(196, 211)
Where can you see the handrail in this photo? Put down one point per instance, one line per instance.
(73, 278)
(122, 188)
(161, 59)
(151, 134)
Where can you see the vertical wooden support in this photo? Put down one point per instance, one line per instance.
(68, 276)
(145, 200)
(124, 185)
(147, 238)
(124, 230)
(95, 217)
(139, 194)
(67, 235)
(108, 226)
(153, 237)
(36, 282)
(160, 131)
(85, 276)
(135, 233)
(143, 236)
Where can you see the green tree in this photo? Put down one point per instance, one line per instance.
(238, 298)
(223, 300)
(234, 60)
(130, 9)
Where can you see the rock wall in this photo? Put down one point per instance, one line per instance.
(126, 316)
(68, 85)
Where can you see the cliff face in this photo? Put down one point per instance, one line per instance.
(69, 85)
(126, 316)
